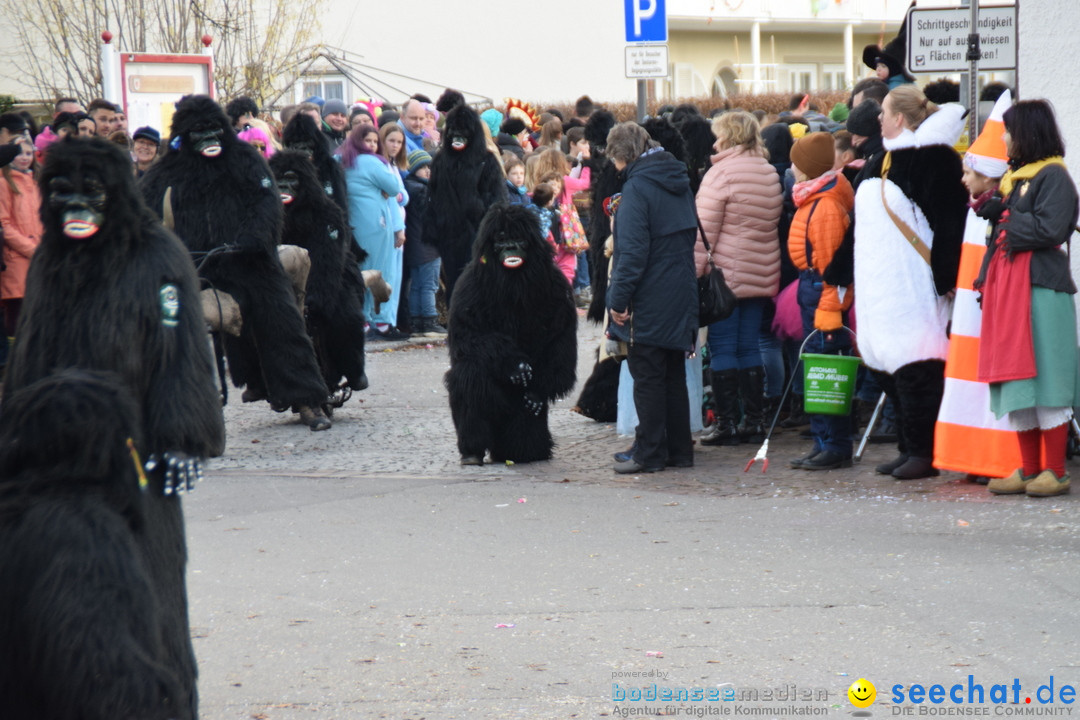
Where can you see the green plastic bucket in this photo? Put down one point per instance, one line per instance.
(828, 383)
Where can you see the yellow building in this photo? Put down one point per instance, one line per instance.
(726, 47)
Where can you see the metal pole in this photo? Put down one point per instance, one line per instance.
(973, 54)
(642, 97)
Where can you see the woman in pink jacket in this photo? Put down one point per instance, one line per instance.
(20, 204)
(739, 204)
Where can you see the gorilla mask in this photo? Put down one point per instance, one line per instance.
(206, 141)
(511, 252)
(200, 126)
(79, 202)
(287, 185)
(89, 194)
(297, 181)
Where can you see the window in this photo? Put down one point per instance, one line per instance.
(832, 77)
(801, 78)
(328, 88)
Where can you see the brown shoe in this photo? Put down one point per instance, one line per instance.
(314, 418)
(1015, 484)
(1048, 484)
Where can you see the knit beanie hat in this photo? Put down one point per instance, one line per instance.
(418, 159)
(863, 120)
(814, 154)
(334, 106)
(988, 155)
(493, 119)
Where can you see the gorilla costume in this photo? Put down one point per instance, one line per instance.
(111, 290)
(335, 290)
(698, 141)
(466, 180)
(80, 619)
(512, 341)
(304, 135)
(222, 198)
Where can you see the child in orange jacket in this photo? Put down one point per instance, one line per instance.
(824, 201)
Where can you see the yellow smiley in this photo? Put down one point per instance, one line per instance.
(862, 693)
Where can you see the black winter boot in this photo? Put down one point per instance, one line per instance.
(726, 395)
(752, 396)
(796, 416)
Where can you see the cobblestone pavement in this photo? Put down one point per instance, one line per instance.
(401, 425)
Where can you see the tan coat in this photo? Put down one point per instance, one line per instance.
(739, 205)
(21, 223)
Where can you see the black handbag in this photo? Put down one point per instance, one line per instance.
(716, 302)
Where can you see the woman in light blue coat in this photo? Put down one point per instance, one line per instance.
(376, 195)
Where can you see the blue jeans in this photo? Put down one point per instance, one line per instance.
(831, 432)
(581, 277)
(733, 343)
(425, 282)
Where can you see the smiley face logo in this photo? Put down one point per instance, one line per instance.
(862, 693)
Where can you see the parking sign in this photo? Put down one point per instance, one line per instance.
(646, 21)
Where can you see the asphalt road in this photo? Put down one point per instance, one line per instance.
(362, 573)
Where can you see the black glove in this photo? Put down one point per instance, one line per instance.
(533, 403)
(522, 374)
(182, 471)
(991, 209)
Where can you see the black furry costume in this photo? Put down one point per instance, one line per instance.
(229, 199)
(80, 619)
(466, 180)
(335, 289)
(599, 398)
(606, 181)
(513, 341)
(698, 140)
(304, 135)
(124, 298)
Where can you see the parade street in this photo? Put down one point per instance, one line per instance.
(363, 573)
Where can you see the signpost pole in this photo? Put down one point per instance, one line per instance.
(642, 98)
(973, 54)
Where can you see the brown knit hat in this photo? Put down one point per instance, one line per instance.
(814, 154)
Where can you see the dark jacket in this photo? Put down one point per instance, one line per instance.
(509, 143)
(1042, 216)
(417, 252)
(653, 266)
(515, 196)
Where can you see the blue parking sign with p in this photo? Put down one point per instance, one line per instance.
(646, 21)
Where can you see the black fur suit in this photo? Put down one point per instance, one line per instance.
(513, 341)
(124, 298)
(304, 135)
(80, 620)
(226, 197)
(466, 180)
(335, 289)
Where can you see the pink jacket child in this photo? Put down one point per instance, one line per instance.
(566, 258)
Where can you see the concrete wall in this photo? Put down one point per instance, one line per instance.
(1047, 32)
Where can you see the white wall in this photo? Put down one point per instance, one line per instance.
(1047, 32)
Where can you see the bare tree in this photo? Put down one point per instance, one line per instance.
(256, 42)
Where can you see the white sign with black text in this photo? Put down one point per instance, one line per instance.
(937, 39)
(646, 61)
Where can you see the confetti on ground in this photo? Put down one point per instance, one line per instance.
(654, 653)
(521, 500)
(962, 523)
(499, 626)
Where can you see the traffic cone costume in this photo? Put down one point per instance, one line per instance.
(967, 436)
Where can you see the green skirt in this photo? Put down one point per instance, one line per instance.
(1057, 384)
